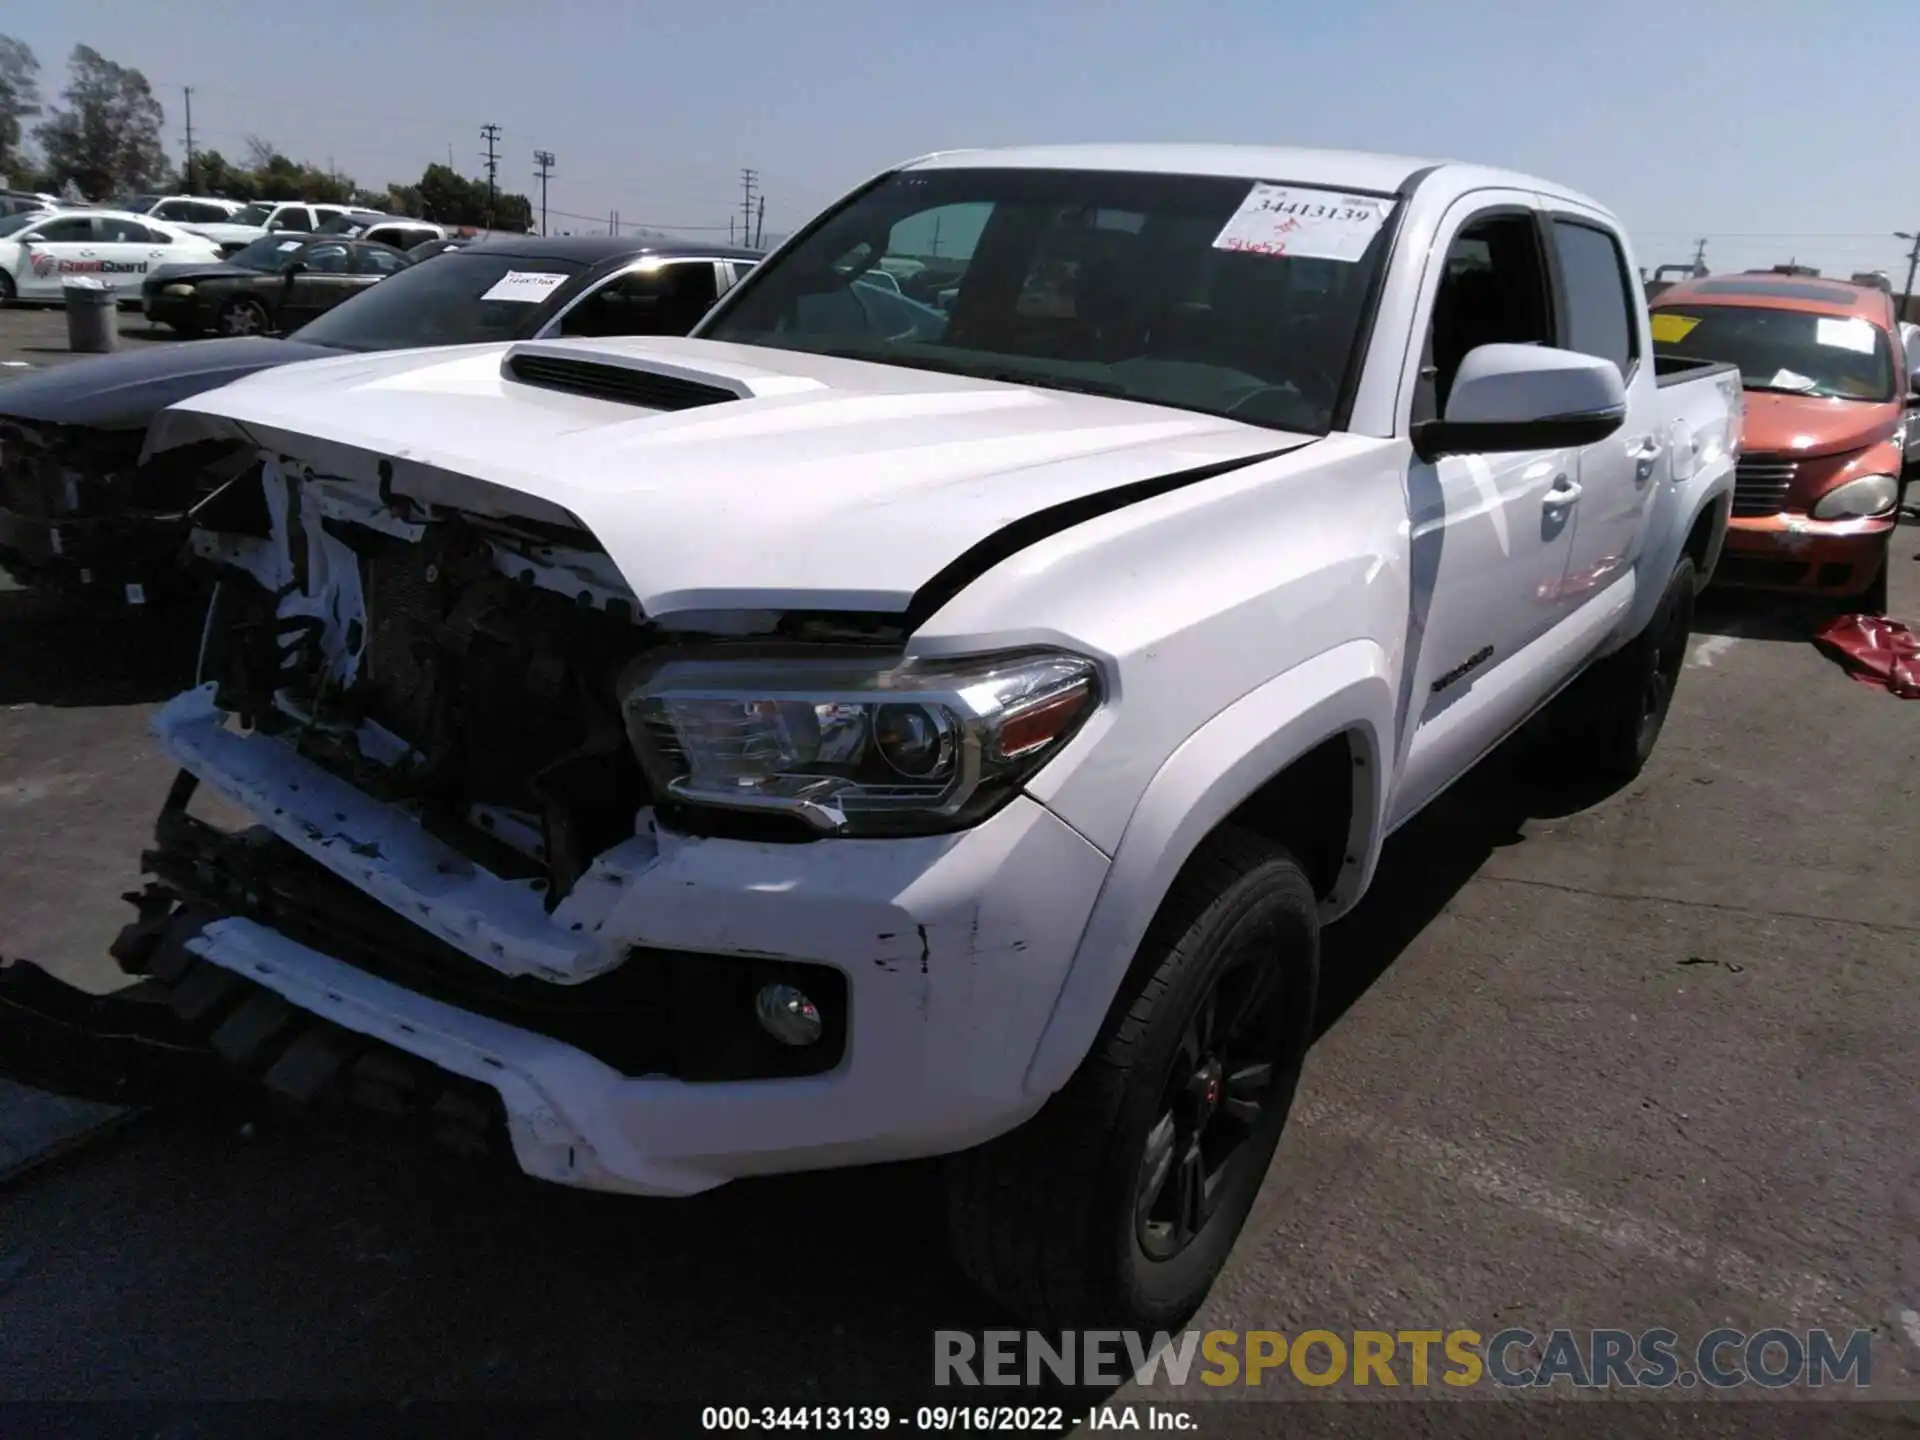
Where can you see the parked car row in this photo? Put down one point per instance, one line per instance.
(922, 694)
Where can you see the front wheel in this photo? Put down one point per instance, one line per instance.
(7, 292)
(1120, 1201)
(243, 317)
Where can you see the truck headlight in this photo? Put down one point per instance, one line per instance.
(852, 747)
(176, 289)
(1869, 495)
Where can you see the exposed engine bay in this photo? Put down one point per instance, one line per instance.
(455, 664)
(463, 666)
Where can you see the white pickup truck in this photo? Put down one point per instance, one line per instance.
(853, 734)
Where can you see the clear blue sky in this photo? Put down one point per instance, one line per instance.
(1774, 130)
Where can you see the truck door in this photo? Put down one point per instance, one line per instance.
(1598, 316)
(1491, 534)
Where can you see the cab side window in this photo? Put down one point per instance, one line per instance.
(67, 230)
(666, 301)
(1598, 312)
(376, 260)
(124, 232)
(327, 259)
(1494, 292)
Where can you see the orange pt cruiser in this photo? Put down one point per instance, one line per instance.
(1818, 485)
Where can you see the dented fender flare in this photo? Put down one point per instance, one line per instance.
(1346, 690)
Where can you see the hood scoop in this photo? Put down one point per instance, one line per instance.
(647, 381)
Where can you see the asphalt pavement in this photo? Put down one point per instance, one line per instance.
(1647, 1059)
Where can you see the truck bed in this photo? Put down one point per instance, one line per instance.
(1678, 369)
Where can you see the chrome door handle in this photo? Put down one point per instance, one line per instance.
(1564, 492)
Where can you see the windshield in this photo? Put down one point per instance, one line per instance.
(1791, 351)
(458, 298)
(1226, 296)
(13, 224)
(255, 214)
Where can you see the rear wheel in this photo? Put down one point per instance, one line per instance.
(1609, 720)
(243, 317)
(1120, 1201)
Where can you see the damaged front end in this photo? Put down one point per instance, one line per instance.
(418, 706)
(82, 516)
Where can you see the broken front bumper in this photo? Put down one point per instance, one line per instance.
(946, 956)
(1795, 552)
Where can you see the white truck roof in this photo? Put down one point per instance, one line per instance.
(1335, 169)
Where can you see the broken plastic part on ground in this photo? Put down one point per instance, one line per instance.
(1874, 650)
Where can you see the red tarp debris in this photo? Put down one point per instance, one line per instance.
(1875, 651)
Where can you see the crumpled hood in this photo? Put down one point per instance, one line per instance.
(827, 484)
(124, 390)
(1809, 425)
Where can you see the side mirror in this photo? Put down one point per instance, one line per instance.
(1913, 386)
(33, 237)
(292, 268)
(1525, 397)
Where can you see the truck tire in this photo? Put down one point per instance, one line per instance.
(1611, 717)
(1119, 1202)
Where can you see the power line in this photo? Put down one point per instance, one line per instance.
(544, 159)
(1913, 263)
(491, 134)
(187, 91)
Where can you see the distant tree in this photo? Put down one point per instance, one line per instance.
(449, 198)
(275, 177)
(216, 175)
(19, 101)
(106, 139)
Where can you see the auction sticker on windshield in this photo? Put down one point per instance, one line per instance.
(1311, 224)
(530, 286)
(1850, 334)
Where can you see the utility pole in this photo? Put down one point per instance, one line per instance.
(491, 134)
(760, 226)
(748, 179)
(1700, 257)
(188, 91)
(933, 247)
(1913, 263)
(544, 159)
